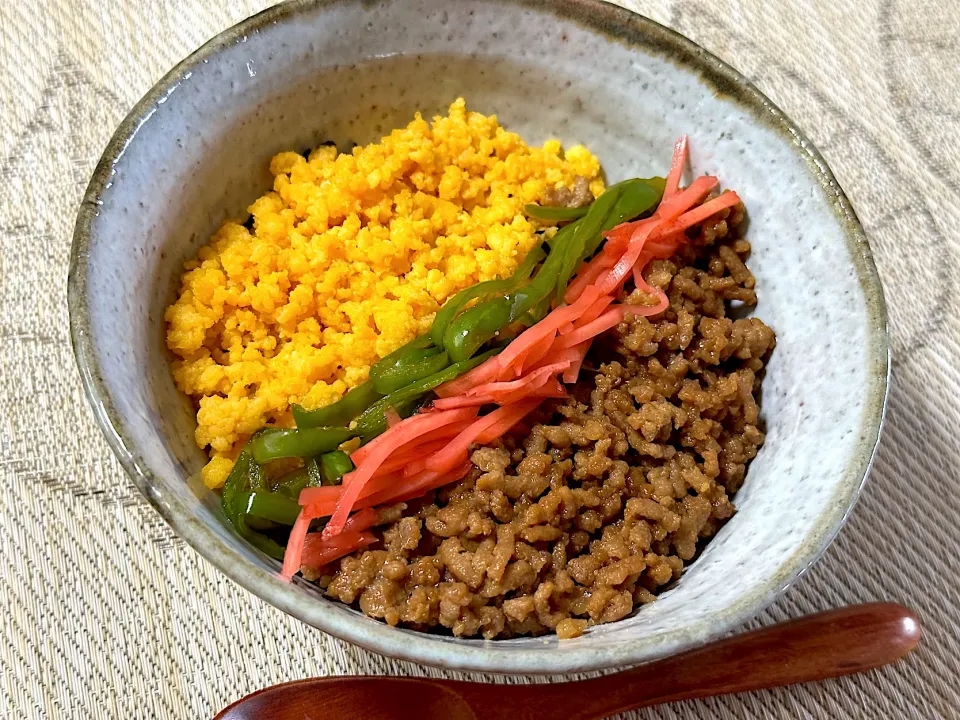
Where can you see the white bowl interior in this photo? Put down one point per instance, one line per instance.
(349, 73)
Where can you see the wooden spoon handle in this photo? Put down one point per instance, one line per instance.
(833, 643)
(836, 642)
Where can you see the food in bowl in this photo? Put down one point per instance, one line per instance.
(461, 384)
(348, 258)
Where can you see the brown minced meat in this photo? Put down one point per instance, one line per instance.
(600, 500)
(576, 197)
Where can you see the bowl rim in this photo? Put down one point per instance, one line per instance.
(619, 24)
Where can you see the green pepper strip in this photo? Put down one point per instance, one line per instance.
(236, 482)
(374, 421)
(555, 214)
(587, 230)
(562, 236)
(403, 374)
(351, 405)
(637, 196)
(341, 412)
(233, 490)
(269, 506)
(446, 315)
(296, 480)
(410, 358)
(293, 482)
(333, 466)
(539, 311)
(419, 347)
(526, 298)
(275, 443)
(467, 334)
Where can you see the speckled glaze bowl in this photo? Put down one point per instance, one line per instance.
(195, 151)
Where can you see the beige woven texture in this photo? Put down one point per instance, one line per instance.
(104, 613)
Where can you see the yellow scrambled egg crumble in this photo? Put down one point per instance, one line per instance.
(350, 256)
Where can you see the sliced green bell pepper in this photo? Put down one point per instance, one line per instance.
(269, 506)
(417, 366)
(333, 466)
(452, 308)
(404, 401)
(474, 327)
(277, 443)
(555, 214)
(341, 412)
(231, 501)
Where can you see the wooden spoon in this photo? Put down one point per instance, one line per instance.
(833, 643)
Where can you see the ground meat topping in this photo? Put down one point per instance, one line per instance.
(600, 500)
(576, 197)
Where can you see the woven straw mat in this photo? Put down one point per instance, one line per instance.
(104, 613)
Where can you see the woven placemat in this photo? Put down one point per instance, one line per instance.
(104, 613)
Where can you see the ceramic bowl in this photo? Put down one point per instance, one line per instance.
(195, 151)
